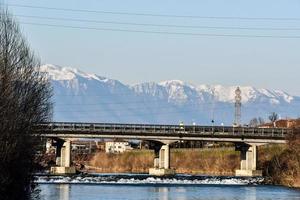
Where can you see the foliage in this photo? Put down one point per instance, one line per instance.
(284, 168)
(24, 101)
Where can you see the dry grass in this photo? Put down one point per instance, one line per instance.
(280, 162)
(222, 161)
(193, 161)
(133, 161)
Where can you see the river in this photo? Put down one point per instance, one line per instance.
(181, 187)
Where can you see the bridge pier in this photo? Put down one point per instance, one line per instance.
(59, 143)
(63, 158)
(162, 162)
(248, 157)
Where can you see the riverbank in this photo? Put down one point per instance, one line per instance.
(280, 163)
(188, 161)
(212, 161)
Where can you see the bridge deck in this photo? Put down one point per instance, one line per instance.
(163, 132)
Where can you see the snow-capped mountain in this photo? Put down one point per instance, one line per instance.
(79, 96)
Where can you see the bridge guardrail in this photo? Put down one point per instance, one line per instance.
(162, 129)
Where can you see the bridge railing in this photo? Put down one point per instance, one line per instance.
(160, 129)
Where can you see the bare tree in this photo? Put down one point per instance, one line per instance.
(253, 122)
(273, 117)
(24, 101)
(261, 121)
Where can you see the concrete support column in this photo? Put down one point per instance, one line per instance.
(67, 157)
(248, 161)
(162, 162)
(58, 153)
(63, 158)
(243, 159)
(164, 157)
(156, 157)
(251, 158)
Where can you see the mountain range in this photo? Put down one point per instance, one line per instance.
(84, 97)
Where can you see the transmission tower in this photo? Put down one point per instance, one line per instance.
(238, 105)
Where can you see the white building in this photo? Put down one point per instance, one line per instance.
(117, 147)
(49, 147)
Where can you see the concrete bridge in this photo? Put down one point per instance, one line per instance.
(245, 139)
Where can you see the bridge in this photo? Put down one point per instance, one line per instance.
(246, 140)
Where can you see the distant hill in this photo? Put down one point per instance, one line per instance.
(83, 97)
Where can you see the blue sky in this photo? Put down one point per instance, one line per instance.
(138, 57)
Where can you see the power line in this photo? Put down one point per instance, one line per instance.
(163, 110)
(136, 93)
(131, 93)
(133, 110)
(163, 32)
(142, 99)
(128, 111)
(145, 106)
(130, 114)
(128, 103)
(105, 115)
(137, 108)
(158, 25)
(153, 15)
(168, 107)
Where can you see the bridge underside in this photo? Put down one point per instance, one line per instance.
(173, 137)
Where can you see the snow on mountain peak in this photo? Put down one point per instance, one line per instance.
(108, 100)
(288, 98)
(59, 73)
(180, 92)
(173, 83)
(176, 90)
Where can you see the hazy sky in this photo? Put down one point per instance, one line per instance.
(138, 57)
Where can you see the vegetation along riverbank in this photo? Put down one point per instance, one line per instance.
(281, 163)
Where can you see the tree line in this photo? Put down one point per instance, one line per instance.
(257, 121)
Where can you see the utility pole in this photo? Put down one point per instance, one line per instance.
(237, 105)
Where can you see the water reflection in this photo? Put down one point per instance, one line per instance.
(166, 193)
(64, 191)
(250, 193)
(163, 192)
(182, 193)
